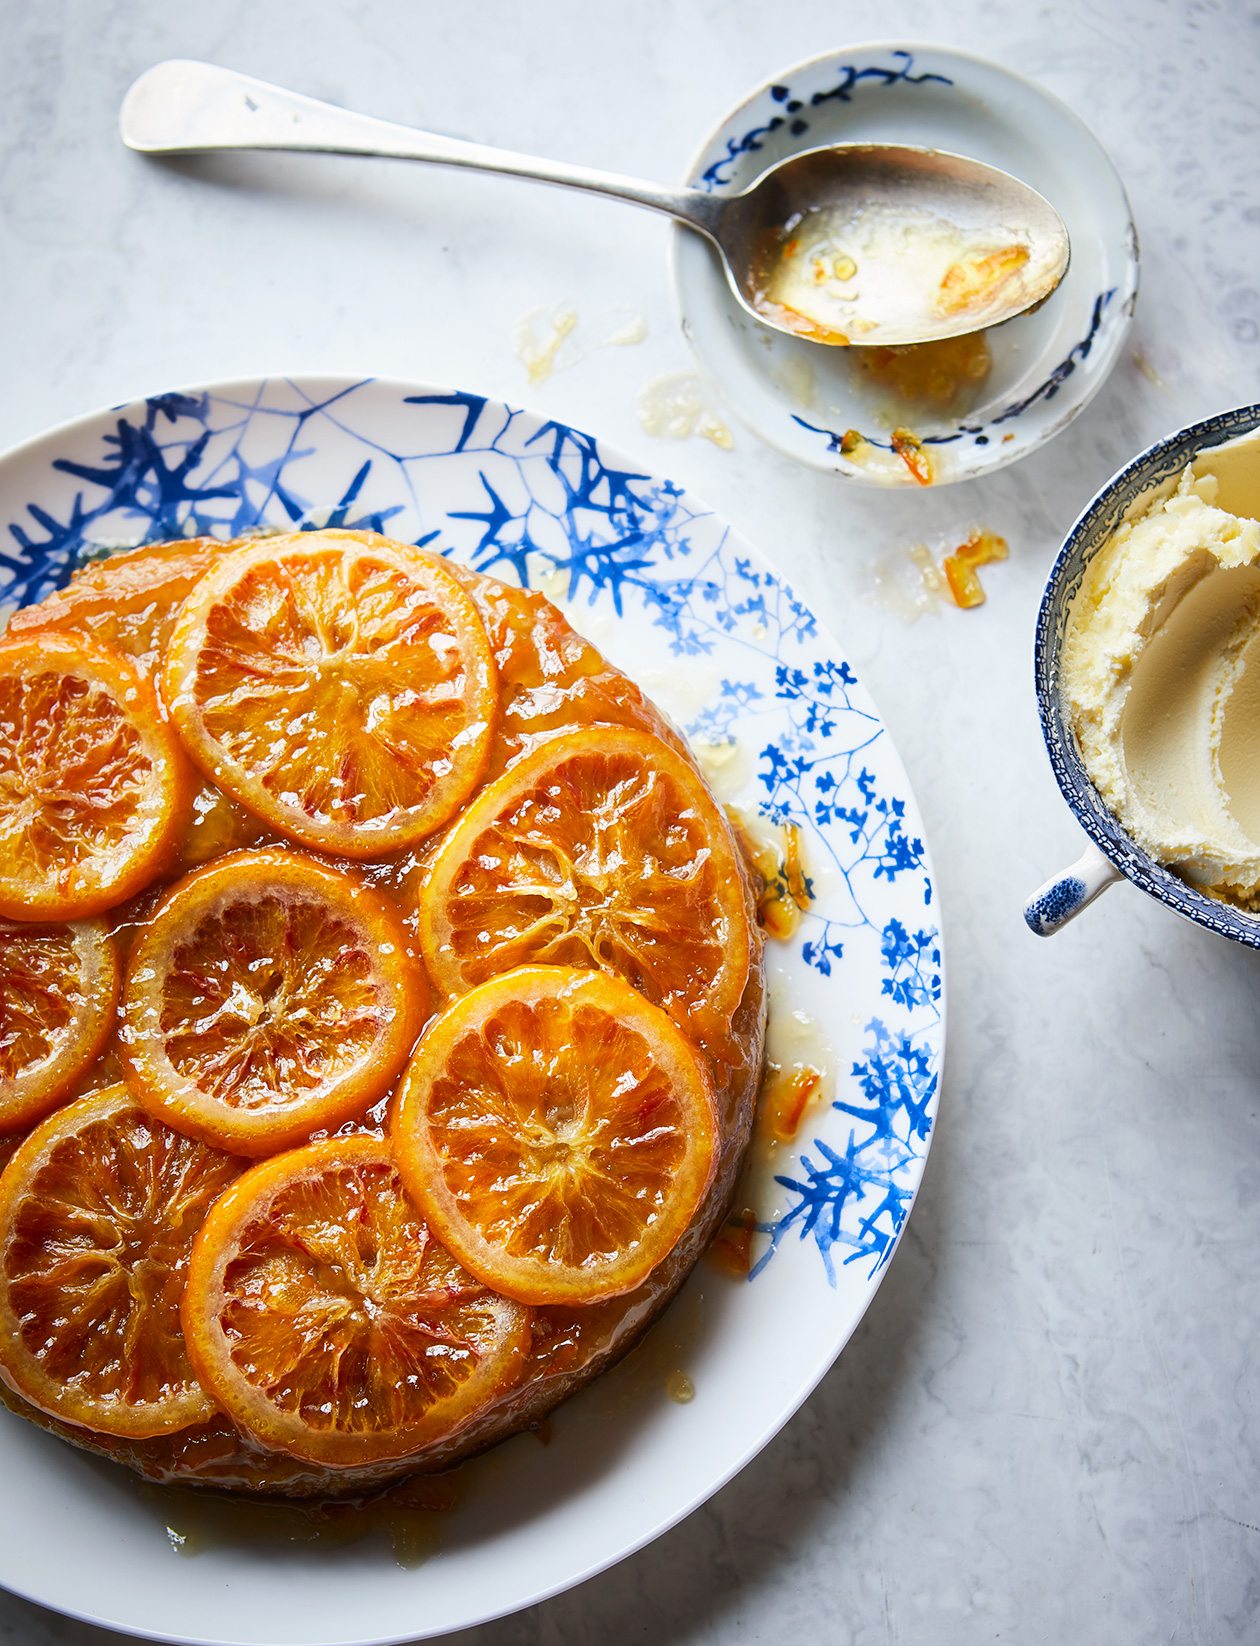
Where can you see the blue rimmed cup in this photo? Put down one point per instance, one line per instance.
(1110, 853)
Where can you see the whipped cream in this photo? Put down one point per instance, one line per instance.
(1160, 672)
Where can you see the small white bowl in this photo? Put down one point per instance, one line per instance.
(801, 397)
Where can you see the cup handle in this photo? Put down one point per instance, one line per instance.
(1062, 898)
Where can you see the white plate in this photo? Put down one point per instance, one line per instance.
(674, 596)
(801, 397)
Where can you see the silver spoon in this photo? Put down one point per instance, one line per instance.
(908, 213)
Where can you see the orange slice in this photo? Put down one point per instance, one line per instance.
(93, 787)
(328, 1322)
(127, 600)
(269, 995)
(558, 1132)
(131, 600)
(603, 848)
(339, 686)
(98, 1209)
(58, 990)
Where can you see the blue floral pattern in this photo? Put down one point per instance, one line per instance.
(520, 498)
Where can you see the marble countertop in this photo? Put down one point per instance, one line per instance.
(1046, 1427)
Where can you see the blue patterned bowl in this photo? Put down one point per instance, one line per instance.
(801, 397)
(1111, 852)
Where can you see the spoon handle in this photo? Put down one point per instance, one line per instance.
(182, 107)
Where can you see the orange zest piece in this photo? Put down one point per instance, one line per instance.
(785, 1096)
(338, 686)
(98, 1208)
(129, 600)
(94, 790)
(58, 991)
(730, 1251)
(327, 1321)
(558, 1132)
(601, 848)
(268, 995)
(976, 280)
(909, 448)
(774, 850)
(980, 549)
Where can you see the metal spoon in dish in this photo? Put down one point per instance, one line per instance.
(859, 243)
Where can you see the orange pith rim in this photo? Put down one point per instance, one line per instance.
(600, 848)
(268, 996)
(98, 1208)
(558, 1132)
(93, 785)
(329, 1323)
(58, 991)
(339, 686)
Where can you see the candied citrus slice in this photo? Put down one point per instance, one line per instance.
(128, 600)
(58, 990)
(327, 1321)
(93, 786)
(604, 848)
(558, 1132)
(268, 995)
(98, 1209)
(339, 686)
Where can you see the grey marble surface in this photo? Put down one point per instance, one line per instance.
(1046, 1427)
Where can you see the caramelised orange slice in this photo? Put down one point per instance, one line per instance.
(338, 685)
(269, 995)
(558, 1132)
(98, 1209)
(58, 990)
(327, 1321)
(600, 848)
(94, 790)
(128, 600)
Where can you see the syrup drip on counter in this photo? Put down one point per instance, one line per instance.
(678, 405)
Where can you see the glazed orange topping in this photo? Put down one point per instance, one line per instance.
(338, 686)
(94, 789)
(128, 601)
(559, 1133)
(98, 1209)
(327, 1321)
(556, 1131)
(58, 991)
(268, 995)
(601, 848)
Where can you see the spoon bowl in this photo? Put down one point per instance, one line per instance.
(900, 219)
(917, 216)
